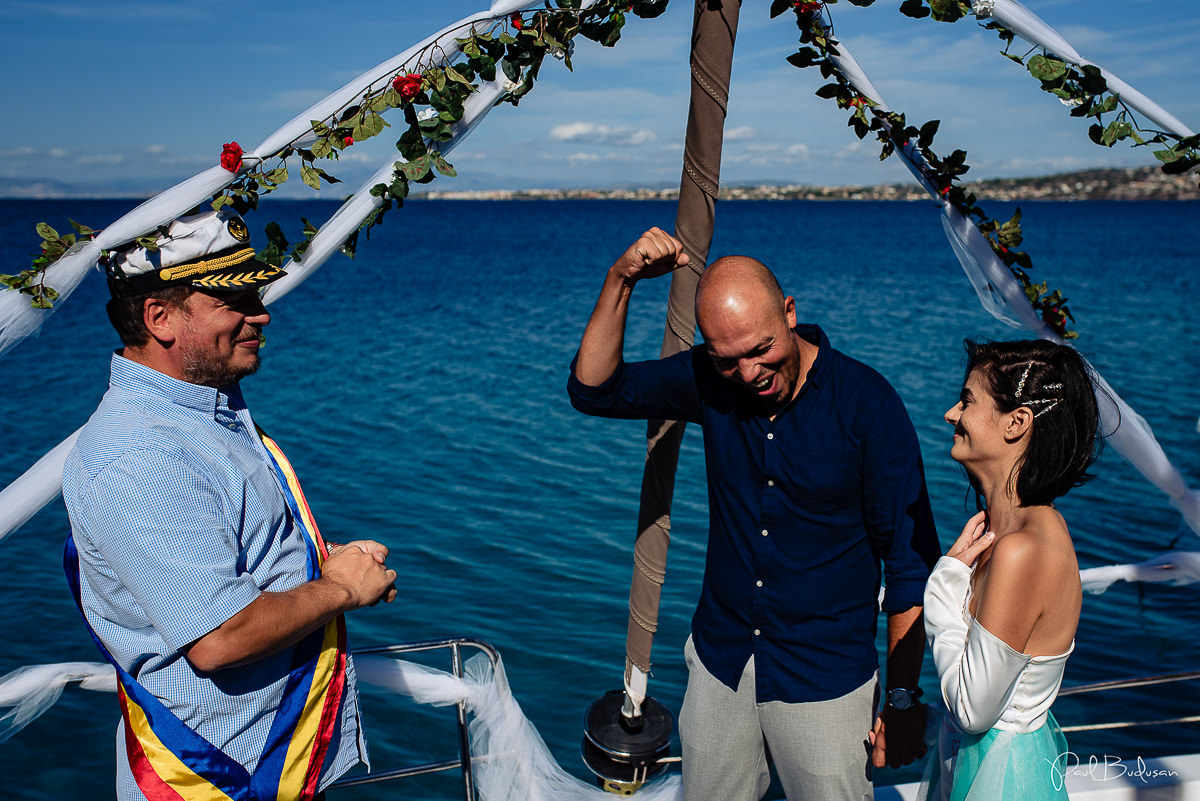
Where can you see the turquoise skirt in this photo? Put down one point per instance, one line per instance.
(997, 765)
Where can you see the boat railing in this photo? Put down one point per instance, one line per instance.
(463, 762)
(1119, 684)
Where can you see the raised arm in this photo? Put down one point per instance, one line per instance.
(655, 253)
(353, 577)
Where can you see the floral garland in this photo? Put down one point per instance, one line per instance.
(515, 46)
(1084, 90)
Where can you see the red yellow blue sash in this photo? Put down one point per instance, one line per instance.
(170, 761)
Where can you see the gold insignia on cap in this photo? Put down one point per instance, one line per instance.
(238, 230)
(206, 265)
(234, 281)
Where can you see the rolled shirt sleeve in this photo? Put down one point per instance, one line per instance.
(663, 389)
(174, 550)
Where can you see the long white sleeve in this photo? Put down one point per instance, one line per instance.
(978, 671)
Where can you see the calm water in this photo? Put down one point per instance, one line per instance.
(419, 391)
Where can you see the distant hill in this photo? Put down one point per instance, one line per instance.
(1132, 183)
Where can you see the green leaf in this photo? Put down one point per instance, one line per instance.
(436, 78)
(322, 148)
(416, 169)
(511, 70)
(80, 229)
(457, 76)
(804, 57)
(399, 188)
(927, 132)
(914, 8)
(1110, 133)
(487, 68)
(441, 165)
(45, 231)
(779, 6)
(1045, 68)
(309, 176)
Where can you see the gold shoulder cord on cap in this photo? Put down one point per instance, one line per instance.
(206, 265)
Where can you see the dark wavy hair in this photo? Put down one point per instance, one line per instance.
(126, 314)
(1058, 386)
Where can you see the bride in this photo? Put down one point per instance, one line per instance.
(1002, 605)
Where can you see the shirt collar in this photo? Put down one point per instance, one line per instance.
(137, 377)
(818, 373)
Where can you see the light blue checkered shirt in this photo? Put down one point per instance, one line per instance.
(180, 523)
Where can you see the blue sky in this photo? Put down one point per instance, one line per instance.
(128, 97)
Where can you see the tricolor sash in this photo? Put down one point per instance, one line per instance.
(170, 761)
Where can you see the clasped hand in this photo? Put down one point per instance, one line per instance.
(360, 567)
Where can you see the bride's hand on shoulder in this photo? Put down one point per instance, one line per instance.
(973, 540)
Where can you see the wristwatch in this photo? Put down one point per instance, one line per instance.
(900, 698)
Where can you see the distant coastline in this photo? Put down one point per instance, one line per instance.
(1131, 183)
(1128, 183)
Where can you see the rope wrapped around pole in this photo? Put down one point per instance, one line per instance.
(713, 32)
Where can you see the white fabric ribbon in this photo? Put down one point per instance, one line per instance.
(1173, 567)
(1031, 28)
(1002, 296)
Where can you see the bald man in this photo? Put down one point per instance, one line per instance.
(814, 479)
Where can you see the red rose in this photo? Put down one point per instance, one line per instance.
(409, 86)
(231, 156)
(516, 21)
(349, 140)
(806, 6)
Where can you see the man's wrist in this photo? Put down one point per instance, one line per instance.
(903, 698)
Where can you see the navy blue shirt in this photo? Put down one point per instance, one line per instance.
(802, 510)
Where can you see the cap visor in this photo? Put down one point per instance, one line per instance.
(247, 275)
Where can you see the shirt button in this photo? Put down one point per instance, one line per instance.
(770, 436)
(770, 482)
(233, 426)
(758, 583)
(757, 632)
(764, 532)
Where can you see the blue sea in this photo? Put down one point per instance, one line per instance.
(419, 391)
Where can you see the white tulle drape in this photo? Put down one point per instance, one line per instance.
(510, 761)
(29, 691)
(1173, 567)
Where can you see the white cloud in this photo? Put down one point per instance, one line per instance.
(740, 133)
(103, 158)
(602, 134)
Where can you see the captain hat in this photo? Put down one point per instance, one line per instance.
(209, 251)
